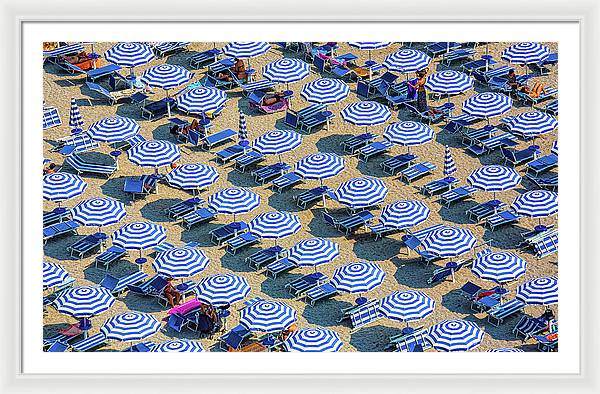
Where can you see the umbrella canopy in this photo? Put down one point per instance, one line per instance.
(313, 340)
(275, 224)
(501, 267)
(361, 192)
(192, 176)
(408, 133)
(320, 166)
(533, 123)
(166, 76)
(369, 46)
(487, 104)
(201, 100)
(267, 316)
(53, 274)
(243, 129)
(455, 335)
(406, 60)
(449, 164)
(61, 186)
(286, 70)
(154, 153)
(494, 178)
(449, 82)
(404, 214)
(99, 212)
(277, 141)
(325, 91)
(139, 235)
(407, 305)
(113, 129)
(129, 54)
(536, 203)
(222, 289)
(366, 113)
(540, 291)
(75, 119)
(313, 252)
(245, 50)
(358, 277)
(449, 241)
(234, 200)
(525, 53)
(84, 301)
(180, 262)
(179, 346)
(506, 350)
(130, 326)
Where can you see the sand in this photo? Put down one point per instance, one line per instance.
(402, 272)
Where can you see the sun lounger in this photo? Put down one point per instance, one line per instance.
(443, 111)
(224, 233)
(439, 185)
(484, 210)
(84, 245)
(113, 97)
(516, 157)
(353, 144)
(201, 58)
(457, 55)
(69, 49)
(547, 245)
(231, 152)
(110, 255)
(542, 65)
(76, 144)
(286, 181)
(129, 143)
(457, 123)
(58, 346)
(157, 109)
(455, 195)
(247, 160)
(93, 342)
(371, 89)
(316, 120)
(551, 107)
(265, 174)
(478, 65)
(319, 293)
(200, 215)
(256, 101)
(545, 343)
(542, 164)
(182, 208)
(396, 163)
(440, 274)
(59, 229)
(151, 287)
(233, 338)
(501, 219)
(363, 314)
(241, 241)
(219, 138)
(301, 285)
(51, 118)
(119, 285)
(82, 166)
(62, 337)
(416, 171)
(265, 256)
(414, 244)
(549, 92)
(438, 48)
(396, 94)
(373, 149)
(349, 224)
(142, 185)
(296, 118)
(95, 73)
(163, 49)
(164, 246)
(417, 341)
(529, 326)
(472, 136)
(546, 181)
(304, 199)
(497, 314)
(380, 230)
(279, 267)
(496, 72)
(495, 84)
(56, 216)
(487, 145)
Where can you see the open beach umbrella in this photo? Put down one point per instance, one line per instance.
(406, 61)
(180, 262)
(325, 91)
(267, 316)
(358, 277)
(494, 178)
(404, 214)
(139, 236)
(276, 142)
(369, 46)
(449, 164)
(84, 301)
(525, 53)
(366, 113)
(154, 153)
(192, 176)
(361, 192)
(407, 305)
(53, 274)
(62, 186)
(75, 119)
(539, 291)
(99, 212)
(113, 129)
(533, 123)
(408, 133)
(129, 54)
(487, 105)
(274, 224)
(286, 71)
(201, 100)
(536, 203)
(448, 82)
(130, 326)
(233, 201)
(166, 76)
(455, 335)
(313, 340)
(506, 350)
(243, 130)
(246, 50)
(449, 241)
(222, 289)
(179, 346)
(313, 252)
(500, 267)
(320, 166)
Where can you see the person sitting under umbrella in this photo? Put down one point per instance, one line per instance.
(172, 295)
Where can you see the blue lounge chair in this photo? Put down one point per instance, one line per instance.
(82, 166)
(286, 181)
(248, 159)
(542, 65)
(457, 55)
(516, 157)
(142, 185)
(299, 286)
(153, 287)
(319, 293)
(349, 224)
(119, 285)
(110, 255)
(496, 84)
(234, 337)
(200, 215)
(93, 342)
(545, 344)
(442, 111)
(95, 73)
(304, 199)
(279, 267)
(129, 142)
(529, 326)
(488, 145)
(373, 149)
(380, 230)
(113, 97)
(370, 89)
(56, 216)
(478, 65)
(79, 143)
(472, 136)
(157, 109)
(440, 274)
(224, 233)
(414, 243)
(548, 93)
(542, 164)
(241, 241)
(484, 210)
(201, 58)
(416, 171)
(396, 163)
(163, 49)
(51, 118)
(551, 107)
(455, 195)
(265, 174)
(438, 48)
(457, 123)
(221, 137)
(296, 118)
(182, 208)
(546, 246)
(230, 153)
(85, 245)
(546, 181)
(439, 185)
(59, 346)
(501, 219)
(265, 256)
(497, 314)
(353, 144)
(316, 120)
(59, 229)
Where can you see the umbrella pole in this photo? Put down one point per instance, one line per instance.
(168, 105)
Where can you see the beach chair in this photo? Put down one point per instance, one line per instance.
(256, 101)
(414, 244)
(478, 65)
(286, 181)
(429, 118)
(233, 338)
(361, 315)
(416, 171)
(548, 93)
(51, 118)
(546, 181)
(457, 55)
(142, 185)
(95, 73)
(110, 255)
(219, 138)
(546, 246)
(58, 346)
(241, 241)
(484, 210)
(301, 285)
(182, 208)
(231, 152)
(417, 341)
(265, 256)
(551, 107)
(350, 224)
(497, 314)
(91, 343)
(55, 216)
(200, 215)
(495, 84)
(440, 274)
(354, 143)
(84, 245)
(380, 230)
(279, 267)
(113, 97)
(547, 343)
(542, 164)
(163, 49)
(396, 163)
(319, 293)
(82, 166)
(316, 120)
(265, 174)
(529, 326)
(75, 144)
(118, 285)
(248, 159)
(224, 233)
(157, 109)
(58, 229)
(456, 123)
(488, 145)
(516, 157)
(438, 186)
(501, 219)
(295, 118)
(129, 142)
(496, 72)
(304, 199)
(201, 58)
(371, 89)
(438, 48)
(459, 194)
(152, 287)
(64, 336)
(538, 233)
(472, 136)
(373, 149)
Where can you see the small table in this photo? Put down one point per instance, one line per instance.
(60, 210)
(452, 265)
(361, 301)
(407, 330)
(540, 228)
(140, 261)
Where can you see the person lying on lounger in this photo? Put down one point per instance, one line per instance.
(273, 98)
(50, 169)
(75, 59)
(171, 294)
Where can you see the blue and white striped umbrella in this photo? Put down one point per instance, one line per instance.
(275, 142)
(139, 235)
(366, 113)
(487, 104)
(554, 148)
(192, 176)
(455, 335)
(84, 301)
(407, 305)
(525, 53)
(267, 316)
(113, 129)
(243, 128)
(494, 178)
(325, 91)
(53, 274)
(320, 166)
(369, 45)
(361, 192)
(539, 291)
(536, 203)
(533, 123)
(408, 133)
(154, 153)
(180, 262)
(275, 224)
(313, 252)
(501, 267)
(404, 214)
(286, 70)
(449, 82)
(406, 60)
(449, 241)
(313, 340)
(99, 212)
(166, 76)
(449, 164)
(130, 326)
(75, 119)
(61, 186)
(129, 54)
(201, 100)
(234, 200)
(245, 50)
(506, 350)
(222, 289)
(178, 346)
(358, 277)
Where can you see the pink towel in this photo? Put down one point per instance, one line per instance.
(185, 307)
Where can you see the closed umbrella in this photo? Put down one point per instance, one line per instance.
(75, 118)
(449, 164)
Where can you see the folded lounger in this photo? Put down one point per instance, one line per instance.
(59, 229)
(75, 144)
(416, 171)
(200, 215)
(110, 255)
(82, 166)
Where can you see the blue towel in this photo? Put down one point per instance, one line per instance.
(411, 91)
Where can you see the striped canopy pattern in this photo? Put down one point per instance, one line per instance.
(325, 91)
(154, 153)
(267, 316)
(75, 119)
(366, 113)
(525, 53)
(449, 82)
(449, 241)
(494, 178)
(313, 340)
(313, 252)
(320, 166)
(455, 335)
(361, 192)
(501, 267)
(222, 289)
(234, 200)
(192, 176)
(129, 54)
(53, 274)
(113, 129)
(61, 186)
(84, 301)
(139, 235)
(449, 164)
(201, 100)
(536, 203)
(245, 50)
(540, 291)
(275, 142)
(76, 47)
(358, 277)
(408, 133)
(99, 212)
(179, 346)
(487, 104)
(166, 76)
(130, 326)
(180, 262)
(533, 123)
(286, 70)
(406, 60)
(404, 213)
(275, 224)
(407, 305)
(506, 350)
(369, 45)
